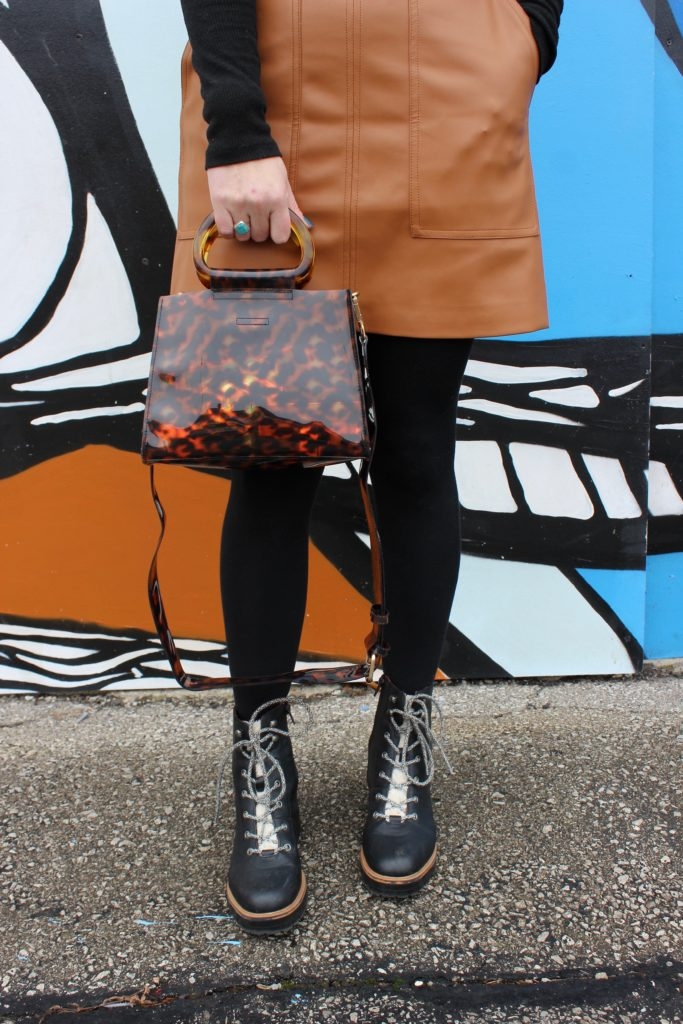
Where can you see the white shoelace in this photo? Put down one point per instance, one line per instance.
(264, 780)
(411, 720)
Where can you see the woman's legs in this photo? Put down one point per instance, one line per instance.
(415, 384)
(264, 574)
(264, 569)
(264, 555)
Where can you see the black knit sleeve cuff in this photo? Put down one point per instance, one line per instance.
(226, 146)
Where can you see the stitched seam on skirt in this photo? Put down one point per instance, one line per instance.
(414, 112)
(348, 164)
(297, 73)
(357, 79)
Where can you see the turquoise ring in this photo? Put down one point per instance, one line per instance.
(242, 229)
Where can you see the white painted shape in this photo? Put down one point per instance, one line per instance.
(49, 650)
(581, 396)
(669, 426)
(663, 498)
(532, 620)
(667, 402)
(20, 675)
(135, 681)
(83, 670)
(617, 392)
(135, 368)
(513, 412)
(340, 470)
(611, 484)
(97, 312)
(196, 645)
(18, 405)
(550, 482)
(35, 197)
(147, 40)
(88, 414)
(501, 373)
(197, 668)
(143, 683)
(482, 480)
(321, 664)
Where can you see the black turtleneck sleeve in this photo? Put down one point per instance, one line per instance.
(225, 55)
(222, 34)
(545, 23)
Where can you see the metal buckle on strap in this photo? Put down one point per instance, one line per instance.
(372, 665)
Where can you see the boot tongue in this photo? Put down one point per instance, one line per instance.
(265, 827)
(397, 797)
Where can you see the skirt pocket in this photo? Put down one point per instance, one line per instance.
(473, 67)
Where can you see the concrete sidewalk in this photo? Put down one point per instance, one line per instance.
(559, 895)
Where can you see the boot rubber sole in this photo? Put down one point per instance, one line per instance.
(396, 886)
(274, 922)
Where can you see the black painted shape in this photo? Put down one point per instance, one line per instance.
(133, 648)
(665, 533)
(618, 428)
(609, 617)
(667, 29)
(64, 50)
(462, 659)
(337, 519)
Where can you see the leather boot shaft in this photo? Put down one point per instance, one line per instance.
(399, 839)
(266, 886)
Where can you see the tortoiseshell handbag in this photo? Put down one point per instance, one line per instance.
(255, 372)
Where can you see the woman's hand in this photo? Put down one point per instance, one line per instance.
(257, 193)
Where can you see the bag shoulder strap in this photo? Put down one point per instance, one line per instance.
(362, 672)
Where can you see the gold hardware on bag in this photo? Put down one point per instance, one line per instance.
(370, 674)
(359, 317)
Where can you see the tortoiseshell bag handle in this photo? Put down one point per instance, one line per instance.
(226, 279)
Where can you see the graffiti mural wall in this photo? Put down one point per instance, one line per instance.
(569, 453)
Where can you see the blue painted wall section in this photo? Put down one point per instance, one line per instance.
(664, 621)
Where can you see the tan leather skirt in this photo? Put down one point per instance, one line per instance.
(404, 126)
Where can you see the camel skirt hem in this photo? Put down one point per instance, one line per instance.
(405, 131)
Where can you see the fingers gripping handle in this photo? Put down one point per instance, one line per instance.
(227, 279)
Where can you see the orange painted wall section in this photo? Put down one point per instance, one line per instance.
(79, 531)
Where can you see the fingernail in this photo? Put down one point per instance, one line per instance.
(308, 222)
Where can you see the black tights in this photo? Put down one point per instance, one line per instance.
(264, 555)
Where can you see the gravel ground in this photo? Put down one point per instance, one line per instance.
(560, 861)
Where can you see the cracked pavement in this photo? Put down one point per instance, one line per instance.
(558, 897)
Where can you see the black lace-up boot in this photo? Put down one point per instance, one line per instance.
(266, 886)
(399, 841)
